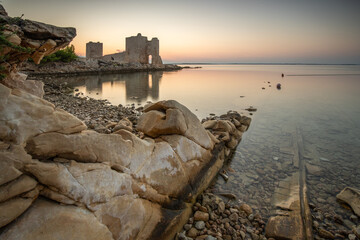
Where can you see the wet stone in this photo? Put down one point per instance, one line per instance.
(187, 227)
(199, 225)
(193, 232)
(201, 216)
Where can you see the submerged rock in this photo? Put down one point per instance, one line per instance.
(351, 196)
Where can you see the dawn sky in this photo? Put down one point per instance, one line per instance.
(250, 31)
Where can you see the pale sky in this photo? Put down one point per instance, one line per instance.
(247, 31)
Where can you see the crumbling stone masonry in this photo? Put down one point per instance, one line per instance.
(94, 50)
(138, 50)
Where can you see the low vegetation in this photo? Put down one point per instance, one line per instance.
(4, 43)
(64, 55)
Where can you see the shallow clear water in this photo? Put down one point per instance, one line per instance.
(317, 105)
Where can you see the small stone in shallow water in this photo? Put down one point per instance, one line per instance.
(275, 158)
(251, 109)
(246, 208)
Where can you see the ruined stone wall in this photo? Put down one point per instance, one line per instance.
(118, 57)
(153, 50)
(136, 49)
(94, 50)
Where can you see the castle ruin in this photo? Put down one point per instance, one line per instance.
(138, 50)
(94, 50)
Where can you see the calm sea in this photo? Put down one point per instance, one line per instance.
(315, 114)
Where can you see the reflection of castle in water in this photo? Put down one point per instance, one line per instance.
(142, 85)
(138, 86)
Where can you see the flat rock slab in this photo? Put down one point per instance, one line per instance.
(351, 196)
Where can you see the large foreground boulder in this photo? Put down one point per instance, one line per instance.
(123, 186)
(170, 117)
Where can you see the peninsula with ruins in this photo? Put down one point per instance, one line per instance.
(140, 55)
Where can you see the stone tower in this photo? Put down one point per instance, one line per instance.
(94, 50)
(139, 49)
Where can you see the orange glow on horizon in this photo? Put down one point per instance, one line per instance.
(230, 31)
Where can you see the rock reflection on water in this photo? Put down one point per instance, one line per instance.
(124, 88)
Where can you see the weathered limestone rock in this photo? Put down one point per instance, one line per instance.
(89, 146)
(194, 130)
(288, 223)
(12, 160)
(153, 163)
(23, 116)
(18, 80)
(16, 187)
(13, 208)
(284, 227)
(36, 40)
(186, 149)
(128, 217)
(85, 183)
(123, 124)
(351, 196)
(49, 220)
(155, 123)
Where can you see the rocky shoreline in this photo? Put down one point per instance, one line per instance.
(81, 66)
(214, 216)
(115, 172)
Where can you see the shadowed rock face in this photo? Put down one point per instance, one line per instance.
(36, 41)
(62, 181)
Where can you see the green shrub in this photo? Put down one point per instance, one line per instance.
(64, 55)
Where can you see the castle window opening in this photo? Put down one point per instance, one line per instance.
(150, 59)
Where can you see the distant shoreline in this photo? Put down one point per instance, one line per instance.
(310, 64)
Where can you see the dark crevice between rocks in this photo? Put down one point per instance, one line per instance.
(187, 196)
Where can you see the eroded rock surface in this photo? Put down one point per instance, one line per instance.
(121, 181)
(30, 39)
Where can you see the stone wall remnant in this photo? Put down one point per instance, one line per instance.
(138, 50)
(94, 50)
